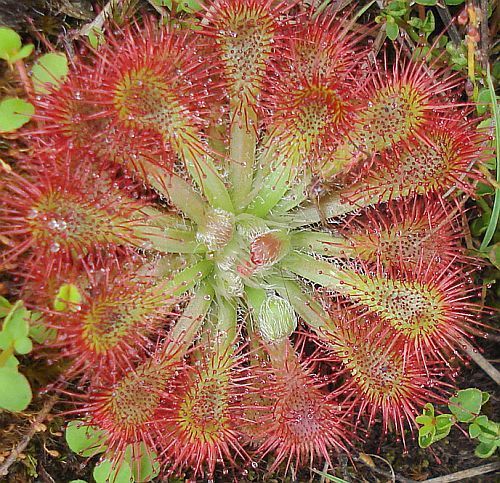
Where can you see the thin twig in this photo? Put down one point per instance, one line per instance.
(465, 475)
(325, 470)
(21, 446)
(158, 9)
(445, 15)
(391, 475)
(481, 361)
(99, 21)
(377, 45)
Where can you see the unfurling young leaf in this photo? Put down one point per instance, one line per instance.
(68, 298)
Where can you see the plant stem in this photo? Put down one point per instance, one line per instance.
(322, 243)
(185, 329)
(223, 327)
(205, 175)
(4, 356)
(177, 190)
(28, 86)
(297, 194)
(393, 477)
(172, 240)
(160, 218)
(316, 271)
(445, 15)
(485, 33)
(276, 184)
(310, 311)
(243, 141)
(187, 278)
(281, 353)
(255, 298)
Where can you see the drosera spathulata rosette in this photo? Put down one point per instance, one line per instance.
(171, 180)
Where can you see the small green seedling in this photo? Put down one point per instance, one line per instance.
(15, 390)
(465, 407)
(434, 428)
(188, 6)
(11, 48)
(14, 112)
(136, 466)
(426, 26)
(458, 55)
(393, 13)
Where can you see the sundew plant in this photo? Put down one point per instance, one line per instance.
(245, 239)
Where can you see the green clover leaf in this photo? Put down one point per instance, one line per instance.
(143, 462)
(425, 420)
(83, 439)
(485, 450)
(16, 324)
(391, 29)
(474, 430)
(11, 362)
(466, 405)
(15, 390)
(23, 345)
(444, 421)
(14, 113)
(427, 430)
(5, 340)
(11, 48)
(425, 441)
(49, 71)
(5, 307)
(397, 8)
(105, 472)
(10, 43)
(40, 333)
(188, 6)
